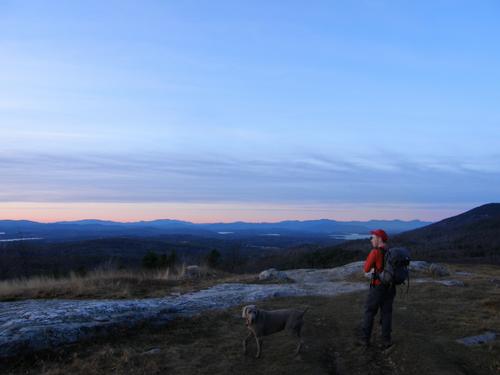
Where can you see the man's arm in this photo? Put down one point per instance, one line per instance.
(370, 262)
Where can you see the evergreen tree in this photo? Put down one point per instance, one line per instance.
(172, 259)
(213, 258)
(150, 260)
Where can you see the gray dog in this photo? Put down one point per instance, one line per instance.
(262, 323)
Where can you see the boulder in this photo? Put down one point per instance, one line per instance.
(438, 270)
(451, 282)
(152, 351)
(419, 266)
(272, 274)
(192, 272)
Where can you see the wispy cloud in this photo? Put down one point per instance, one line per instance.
(195, 104)
(163, 177)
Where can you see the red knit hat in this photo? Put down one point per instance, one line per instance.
(380, 233)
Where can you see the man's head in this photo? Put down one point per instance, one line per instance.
(379, 237)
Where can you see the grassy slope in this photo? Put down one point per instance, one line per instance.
(114, 284)
(426, 324)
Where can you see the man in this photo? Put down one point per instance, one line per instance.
(380, 295)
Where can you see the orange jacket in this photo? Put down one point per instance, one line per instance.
(375, 260)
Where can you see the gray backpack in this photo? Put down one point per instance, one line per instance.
(396, 266)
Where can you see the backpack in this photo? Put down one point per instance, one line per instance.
(396, 266)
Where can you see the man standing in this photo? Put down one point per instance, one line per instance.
(380, 295)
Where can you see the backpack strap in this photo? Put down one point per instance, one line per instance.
(384, 254)
(375, 274)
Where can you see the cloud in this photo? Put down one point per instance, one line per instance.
(164, 177)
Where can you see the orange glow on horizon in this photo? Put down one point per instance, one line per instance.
(222, 212)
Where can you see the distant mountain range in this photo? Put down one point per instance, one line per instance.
(473, 236)
(87, 229)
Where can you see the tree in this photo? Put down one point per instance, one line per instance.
(150, 260)
(172, 259)
(213, 258)
(163, 261)
(167, 261)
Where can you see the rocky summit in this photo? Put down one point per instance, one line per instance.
(27, 326)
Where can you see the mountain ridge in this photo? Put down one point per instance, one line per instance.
(89, 228)
(471, 235)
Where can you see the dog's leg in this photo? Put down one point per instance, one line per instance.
(299, 336)
(245, 342)
(259, 346)
(297, 351)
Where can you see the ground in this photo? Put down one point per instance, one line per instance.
(427, 322)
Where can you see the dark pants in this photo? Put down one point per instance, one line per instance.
(382, 297)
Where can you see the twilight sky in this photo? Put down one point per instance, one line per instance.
(248, 110)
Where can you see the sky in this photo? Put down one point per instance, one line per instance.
(216, 111)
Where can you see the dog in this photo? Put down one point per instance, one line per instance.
(262, 323)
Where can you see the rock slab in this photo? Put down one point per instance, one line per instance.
(479, 339)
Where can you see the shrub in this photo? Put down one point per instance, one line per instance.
(213, 258)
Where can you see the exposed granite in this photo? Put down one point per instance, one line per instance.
(31, 325)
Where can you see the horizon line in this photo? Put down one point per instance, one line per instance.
(213, 222)
(229, 212)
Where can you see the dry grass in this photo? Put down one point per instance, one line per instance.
(106, 283)
(426, 324)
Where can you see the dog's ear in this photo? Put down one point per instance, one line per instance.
(244, 312)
